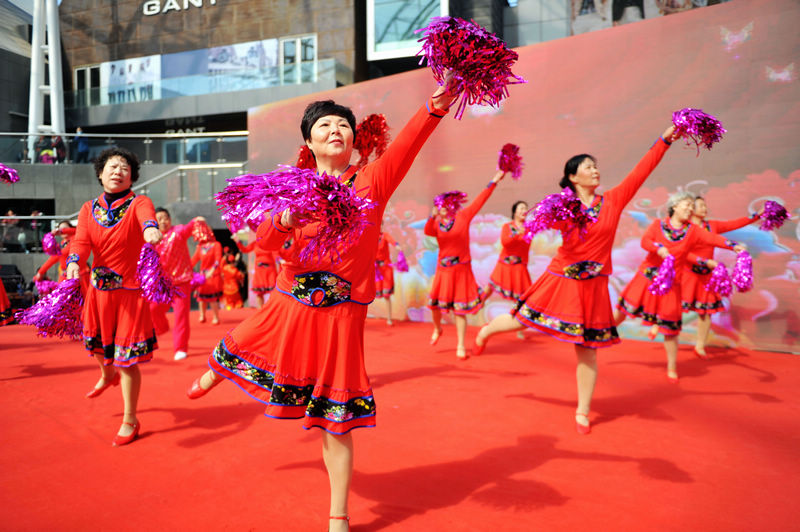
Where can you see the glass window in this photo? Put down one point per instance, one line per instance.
(298, 59)
(391, 25)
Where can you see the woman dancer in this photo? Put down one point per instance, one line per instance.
(570, 300)
(306, 360)
(510, 277)
(454, 286)
(209, 255)
(694, 296)
(67, 232)
(266, 270)
(6, 312)
(117, 329)
(672, 236)
(232, 279)
(384, 272)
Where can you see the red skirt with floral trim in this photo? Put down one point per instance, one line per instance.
(211, 290)
(384, 280)
(117, 325)
(6, 312)
(302, 362)
(572, 310)
(665, 311)
(510, 280)
(454, 288)
(264, 278)
(695, 297)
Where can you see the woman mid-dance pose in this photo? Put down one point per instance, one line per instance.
(510, 277)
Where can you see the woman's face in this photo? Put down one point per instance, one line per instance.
(519, 211)
(63, 225)
(116, 175)
(331, 137)
(683, 210)
(700, 208)
(587, 175)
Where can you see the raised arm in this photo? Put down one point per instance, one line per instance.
(430, 225)
(723, 226)
(272, 233)
(480, 200)
(81, 245)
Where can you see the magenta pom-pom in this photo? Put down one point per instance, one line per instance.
(50, 245)
(45, 286)
(480, 62)
(156, 285)
(450, 201)
(664, 277)
(774, 216)
(59, 313)
(402, 263)
(197, 280)
(742, 276)
(8, 174)
(554, 209)
(510, 160)
(720, 281)
(372, 135)
(698, 127)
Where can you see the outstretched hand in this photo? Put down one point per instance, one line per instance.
(671, 134)
(499, 176)
(445, 94)
(152, 235)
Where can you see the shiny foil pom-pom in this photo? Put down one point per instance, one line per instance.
(8, 174)
(510, 160)
(774, 216)
(45, 286)
(50, 245)
(742, 276)
(563, 210)
(305, 159)
(372, 135)
(664, 277)
(59, 313)
(698, 127)
(402, 263)
(156, 285)
(450, 201)
(197, 280)
(720, 281)
(480, 62)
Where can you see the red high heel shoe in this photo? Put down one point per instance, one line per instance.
(701, 356)
(125, 440)
(583, 429)
(113, 381)
(435, 337)
(196, 391)
(672, 380)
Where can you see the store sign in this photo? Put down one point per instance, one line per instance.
(157, 7)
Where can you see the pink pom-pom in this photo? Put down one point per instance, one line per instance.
(510, 160)
(372, 134)
(480, 62)
(664, 277)
(742, 276)
(59, 313)
(45, 286)
(305, 159)
(698, 127)
(156, 285)
(8, 174)
(197, 280)
(720, 281)
(50, 245)
(774, 216)
(555, 208)
(450, 201)
(402, 263)
(378, 274)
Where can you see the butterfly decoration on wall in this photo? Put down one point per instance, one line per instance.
(784, 75)
(734, 40)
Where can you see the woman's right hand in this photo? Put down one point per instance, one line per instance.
(37, 277)
(671, 134)
(73, 270)
(711, 263)
(445, 94)
(287, 220)
(663, 252)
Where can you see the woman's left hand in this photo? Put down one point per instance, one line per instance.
(445, 94)
(738, 248)
(152, 235)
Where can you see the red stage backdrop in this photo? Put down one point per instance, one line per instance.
(609, 93)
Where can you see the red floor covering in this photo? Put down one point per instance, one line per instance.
(486, 444)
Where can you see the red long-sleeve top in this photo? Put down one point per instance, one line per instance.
(66, 235)
(680, 243)
(592, 252)
(208, 254)
(378, 180)
(384, 254)
(263, 256)
(514, 243)
(174, 252)
(453, 237)
(705, 251)
(113, 235)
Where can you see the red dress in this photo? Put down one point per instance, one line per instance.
(570, 300)
(665, 311)
(209, 255)
(384, 273)
(116, 320)
(266, 270)
(694, 296)
(6, 312)
(510, 277)
(231, 280)
(454, 286)
(302, 353)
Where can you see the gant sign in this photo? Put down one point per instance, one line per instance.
(156, 7)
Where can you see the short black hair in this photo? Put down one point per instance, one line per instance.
(571, 168)
(162, 209)
(129, 156)
(514, 207)
(64, 222)
(316, 110)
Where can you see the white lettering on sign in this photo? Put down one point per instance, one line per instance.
(155, 7)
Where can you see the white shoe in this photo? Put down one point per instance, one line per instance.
(180, 355)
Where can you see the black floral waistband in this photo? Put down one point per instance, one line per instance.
(447, 262)
(512, 259)
(263, 264)
(106, 279)
(702, 270)
(585, 269)
(320, 289)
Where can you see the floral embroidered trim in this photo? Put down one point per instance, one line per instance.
(508, 294)
(731, 243)
(650, 272)
(264, 264)
(447, 262)
(149, 223)
(288, 243)
(73, 257)
(594, 210)
(121, 355)
(350, 180)
(585, 269)
(214, 296)
(589, 335)
(448, 226)
(7, 316)
(320, 289)
(106, 279)
(341, 412)
(385, 292)
(701, 269)
(512, 259)
(650, 319)
(457, 306)
(674, 235)
(707, 225)
(110, 217)
(262, 289)
(704, 307)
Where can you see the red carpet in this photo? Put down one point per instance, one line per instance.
(486, 444)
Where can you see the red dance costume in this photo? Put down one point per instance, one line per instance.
(665, 311)
(266, 270)
(510, 277)
(454, 286)
(231, 280)
(694, 296)
(6, 312)
(384, 273)
(570, 300)
(209, 255)
(175, 260)
(302, 353)
(116, 320)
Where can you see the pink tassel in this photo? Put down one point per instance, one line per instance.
(156, 285)
(59, 313)
(481, 63)
(662, 282)
(450, 201)
(50, 245)
(197, 280)
(774, 216)
(45, 286)
(510, 160)
(556, 208)
(8, 174)
(699, 127)
(402, 264)
(372, 134)
(720, 281)
(742, 276)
